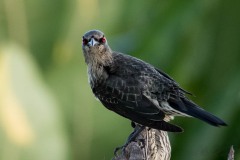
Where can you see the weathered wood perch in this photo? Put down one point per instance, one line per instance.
(150, 144)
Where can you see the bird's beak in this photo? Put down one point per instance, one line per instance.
(92, 42)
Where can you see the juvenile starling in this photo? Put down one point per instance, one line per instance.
(135, 89)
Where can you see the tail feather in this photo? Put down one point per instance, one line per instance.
(195, 111)
(165, 126)
(160, 125)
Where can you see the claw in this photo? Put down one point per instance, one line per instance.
(131, 138)
(122, 148)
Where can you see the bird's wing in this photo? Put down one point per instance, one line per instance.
(172, 80)
(125, 94)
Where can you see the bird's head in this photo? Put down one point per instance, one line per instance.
(95, 48)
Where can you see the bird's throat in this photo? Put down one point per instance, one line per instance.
(96, 69)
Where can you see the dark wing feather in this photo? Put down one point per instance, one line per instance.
(172, 80)
(123, 95)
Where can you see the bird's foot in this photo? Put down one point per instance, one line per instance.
(120, 148)
(131, 138)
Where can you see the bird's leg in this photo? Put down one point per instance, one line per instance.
(133, 124)
(131, 138)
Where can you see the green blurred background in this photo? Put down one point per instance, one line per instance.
(47, 110)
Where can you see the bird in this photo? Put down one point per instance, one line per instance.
(136, 89)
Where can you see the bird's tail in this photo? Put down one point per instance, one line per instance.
(197, 112)
(164, 126)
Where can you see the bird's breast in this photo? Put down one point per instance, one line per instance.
(96, 75)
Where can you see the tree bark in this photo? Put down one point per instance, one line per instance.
(150, 144)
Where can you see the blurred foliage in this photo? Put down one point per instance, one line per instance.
(47, 110)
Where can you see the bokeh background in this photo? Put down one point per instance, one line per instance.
(47, 110)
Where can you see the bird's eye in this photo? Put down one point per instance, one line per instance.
(102, 40)
(84, 41)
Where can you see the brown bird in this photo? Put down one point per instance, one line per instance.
(135, 89)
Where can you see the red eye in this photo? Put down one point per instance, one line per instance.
(84, 41)
(102, 40)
